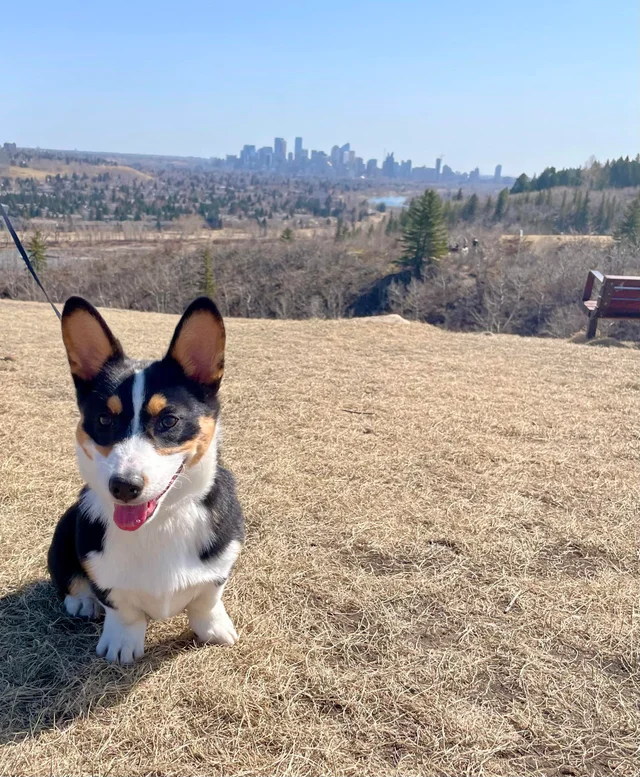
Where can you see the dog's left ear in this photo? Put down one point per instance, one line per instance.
(198, 343)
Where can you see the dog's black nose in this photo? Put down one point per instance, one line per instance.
(126, 489)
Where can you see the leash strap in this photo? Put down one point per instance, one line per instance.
(25, 257)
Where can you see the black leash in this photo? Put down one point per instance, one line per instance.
(27, 261)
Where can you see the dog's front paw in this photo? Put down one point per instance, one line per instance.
(216, 629)
(121, 643)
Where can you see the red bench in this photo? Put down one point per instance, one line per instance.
(618, 297)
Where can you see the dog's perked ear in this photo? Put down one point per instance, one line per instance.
(198, 343)
(89, 342)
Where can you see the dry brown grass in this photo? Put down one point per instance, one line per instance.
(554, 241)
(441, 582)
(45, 167)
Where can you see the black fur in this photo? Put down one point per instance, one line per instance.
(74, 538)
(225, 515)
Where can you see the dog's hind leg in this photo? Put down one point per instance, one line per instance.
(81, 601)
(67, 573)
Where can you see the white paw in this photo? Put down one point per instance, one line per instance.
(84, 606)
(120, 643)
(216, 629)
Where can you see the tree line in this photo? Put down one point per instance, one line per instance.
(619, 173)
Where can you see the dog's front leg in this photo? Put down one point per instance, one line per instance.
(208, 617)
(122, 639)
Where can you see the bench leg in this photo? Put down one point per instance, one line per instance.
(592, 326)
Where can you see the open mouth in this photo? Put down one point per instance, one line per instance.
(131, 517)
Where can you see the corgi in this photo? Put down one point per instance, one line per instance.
(157, 527)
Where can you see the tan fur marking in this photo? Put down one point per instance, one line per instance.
(83, 439)
(156, 404)
(198, 446)
(114, 404)
(88, 348)
(187, 447)
(76, 586)
(105, 450)
(203, 440)
(200, 347)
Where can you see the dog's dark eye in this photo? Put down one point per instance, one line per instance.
(104, 419)
(168, 421)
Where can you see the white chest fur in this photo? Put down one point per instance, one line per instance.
(159, 565)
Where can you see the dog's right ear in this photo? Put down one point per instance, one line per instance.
(89, 342)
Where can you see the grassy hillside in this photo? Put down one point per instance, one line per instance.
(439, 577)
(41, 168)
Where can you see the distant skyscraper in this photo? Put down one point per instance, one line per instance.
(389, 166)
(280, 150)
(405, 169)
(298, 149)
(497, 177)
(372, 168)
(438, 164)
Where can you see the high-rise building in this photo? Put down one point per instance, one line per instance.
(265, 156)
(497, 177)
(280, 150)
(474, 175)
(389, 166)
(247, 155)
(438, 164)
(372, 168)
(298, 149)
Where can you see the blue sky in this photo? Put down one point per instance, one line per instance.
(521, 83)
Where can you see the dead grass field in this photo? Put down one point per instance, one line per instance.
(441, 581)
(555, 241)
(45, 167)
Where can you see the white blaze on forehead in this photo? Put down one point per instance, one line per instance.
(138, 400)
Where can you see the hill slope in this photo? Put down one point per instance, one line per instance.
(439, 576)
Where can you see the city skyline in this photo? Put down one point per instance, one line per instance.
(343, 161)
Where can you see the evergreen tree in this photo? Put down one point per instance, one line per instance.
(424, 238)
(600, 218)
(562, 216)
(391, 224)
(501, 205)
(522, 184)
(459, 196)
(629, 229)
(37, 252)
(470, 208)
(287, 235)
(208, 286)
(583, 216)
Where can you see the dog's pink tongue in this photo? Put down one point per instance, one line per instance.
(130, 517)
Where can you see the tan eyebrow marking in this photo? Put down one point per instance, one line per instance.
(156, 404)
(114, 404)
(83, 439)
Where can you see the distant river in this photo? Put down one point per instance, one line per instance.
(390, 202)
